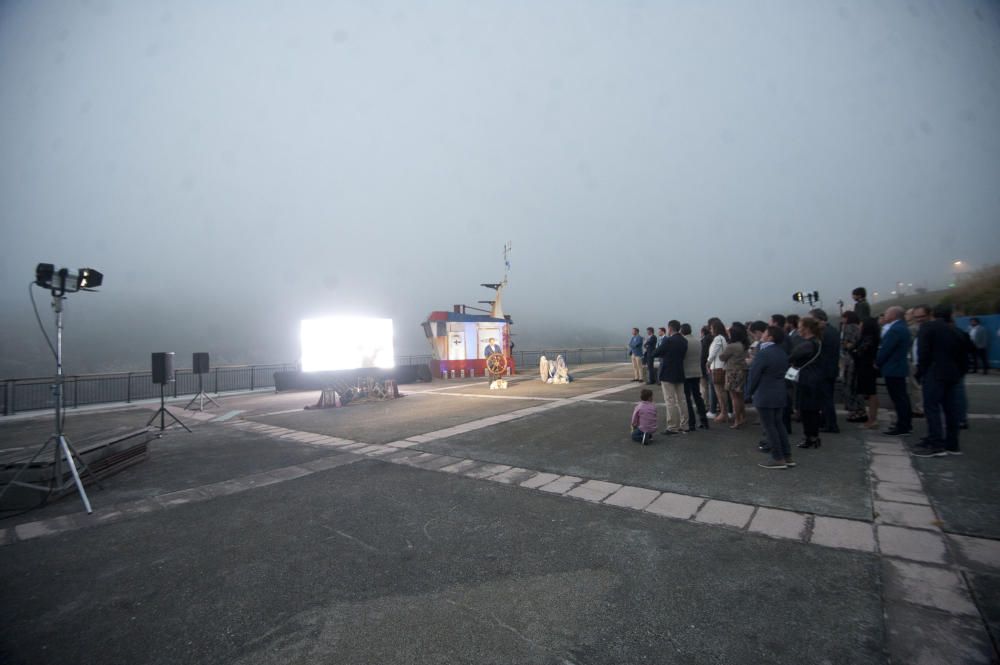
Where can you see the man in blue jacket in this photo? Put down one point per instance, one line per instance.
(892, 363)
(767, 387)
(635, 354)
(941, 365)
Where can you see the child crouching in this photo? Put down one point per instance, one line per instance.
(644, 418)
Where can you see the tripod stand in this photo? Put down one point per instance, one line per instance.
(162, 411)
(62, 447)
(201, 397)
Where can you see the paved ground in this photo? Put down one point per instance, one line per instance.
(459, 525)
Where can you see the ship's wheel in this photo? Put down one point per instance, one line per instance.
(496, 364)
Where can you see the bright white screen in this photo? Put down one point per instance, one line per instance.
(346, 342)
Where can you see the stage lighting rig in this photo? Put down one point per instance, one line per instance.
(63, 281)
(809, 298)
(59, 282)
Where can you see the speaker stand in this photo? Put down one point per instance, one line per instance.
(201, 397)
(162, 412)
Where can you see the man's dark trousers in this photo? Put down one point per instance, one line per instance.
(896, 385)
(692, 394)
(941, 396)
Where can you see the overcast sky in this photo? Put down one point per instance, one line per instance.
(261, 162)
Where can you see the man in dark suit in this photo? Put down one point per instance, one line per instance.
(891, 362)
(672, 352)
(941, 360)
(648, 349)
(829, 360)
(767, 388)
(492, 348)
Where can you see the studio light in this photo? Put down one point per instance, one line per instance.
(63, 281)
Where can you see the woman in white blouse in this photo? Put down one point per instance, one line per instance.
(717, 367)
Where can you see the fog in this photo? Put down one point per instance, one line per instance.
(234, 167)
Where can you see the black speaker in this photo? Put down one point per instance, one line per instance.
(163, 367)
(199, 363)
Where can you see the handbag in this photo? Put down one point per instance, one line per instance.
(792, 374)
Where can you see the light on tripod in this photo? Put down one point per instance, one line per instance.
(63, 281)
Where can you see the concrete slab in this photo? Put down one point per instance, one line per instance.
(637, 498)
(897, 492)
(461, 466)
(913, 544)
(513, 476)
(847, 534)
(978, 552)
(679, 506)
(561, 485)
(906, 514)
(779, 523)
(594, 490)
(930, 586)
(922, 636)
(487, 470)
(725, 513)
(538, 480)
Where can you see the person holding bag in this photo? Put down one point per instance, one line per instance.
(808, 376)
(717, 366)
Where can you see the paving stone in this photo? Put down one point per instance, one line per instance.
(680, 506)
(415, 459)
(887, 449)
(896, 475)
(331, 462)
(47, 527)
(891, 462)
(354, 447)
(725, 512)
(438, 462)
(487, 470)
(289, 472)
(922, 636)
(637, 498)
(915, 544)
(979, 550)
(779, 523)
(847, 534)
(513, 476)
(561, 485)
(183, 496)
(902, 492)
(462, 466)
(143, 506)
(6, 537)
(906, 514)
(594, 490)
(403, 456)
(930, 586)
(402, 444)
(539, 479)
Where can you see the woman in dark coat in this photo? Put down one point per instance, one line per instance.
(864, 369)
(809, 396)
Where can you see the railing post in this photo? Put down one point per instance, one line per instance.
(216, 380)
(8, 402)
(252, 372)
(175, 383)
(128, 388)
(76, 396)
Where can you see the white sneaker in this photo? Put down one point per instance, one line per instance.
(711, 414)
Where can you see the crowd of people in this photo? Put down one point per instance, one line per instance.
(788, 369)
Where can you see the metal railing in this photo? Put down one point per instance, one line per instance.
(34, 394)
(19, 395)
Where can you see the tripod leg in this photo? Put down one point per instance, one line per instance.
(76, 476)
(81, 464)
(176, 420)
